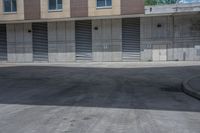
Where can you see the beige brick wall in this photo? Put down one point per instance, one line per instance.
(19, 15)
(93, 11)
(45, 14)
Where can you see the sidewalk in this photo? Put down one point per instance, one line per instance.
(192, 87)
(110, 64)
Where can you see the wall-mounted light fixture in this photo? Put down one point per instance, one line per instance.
(159, 25)
(29, 31)
(96, 28)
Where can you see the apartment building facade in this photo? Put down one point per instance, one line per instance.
(59, 31)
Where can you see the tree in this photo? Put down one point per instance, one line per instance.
(168, 1)
(156, 2)
(150, 2)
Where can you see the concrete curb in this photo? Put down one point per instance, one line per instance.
(189, 90)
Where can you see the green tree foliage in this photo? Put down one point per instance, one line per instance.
(157, 2)
(150, 2)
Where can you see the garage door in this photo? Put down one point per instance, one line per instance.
(40, 42)
(83, 35)
(3, 43)
(131, 39)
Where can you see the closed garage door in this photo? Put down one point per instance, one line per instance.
(131, 39)
(40, 42)
(83, 35)
(3, 43)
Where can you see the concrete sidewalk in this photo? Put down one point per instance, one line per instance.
(109, 64)
(192, 86)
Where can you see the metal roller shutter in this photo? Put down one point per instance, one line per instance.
(131, 39)
(40, 42)
(83, 35)
(3, 43)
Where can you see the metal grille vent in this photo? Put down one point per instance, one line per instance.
(83, 37)
(3, 43)
(131, 39)
(40, 42)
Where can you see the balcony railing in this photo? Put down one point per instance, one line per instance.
(163, 2)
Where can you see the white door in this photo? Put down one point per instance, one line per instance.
(163, 52)
(156, 52)
(159, 52)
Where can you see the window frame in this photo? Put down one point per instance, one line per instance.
(55, 10)
(11, 11)
(103, 7)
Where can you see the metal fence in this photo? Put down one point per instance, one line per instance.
(162, 2)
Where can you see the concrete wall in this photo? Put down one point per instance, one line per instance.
(187, 37)
(179, 33)
(107, 40)
(172, 8)
(93, 11)
(19, 15)
(19, 43)
(152, 34)
(46, 14)
(61, 41)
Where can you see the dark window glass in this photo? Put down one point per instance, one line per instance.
(104, 3)
(59, 4)
(7, 5)
(109, 3)
(10, 6)
(14, 5)
(100, 3)
(52, 4)
(55, 4)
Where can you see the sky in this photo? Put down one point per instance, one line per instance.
(189, 1)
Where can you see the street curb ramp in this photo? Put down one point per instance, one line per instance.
(187, 88)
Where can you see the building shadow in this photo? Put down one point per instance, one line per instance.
(156, 88)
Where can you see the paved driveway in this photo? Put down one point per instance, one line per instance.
(52, 99)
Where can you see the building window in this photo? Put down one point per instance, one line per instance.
(55, 4)
(104, 3)
(10, 6)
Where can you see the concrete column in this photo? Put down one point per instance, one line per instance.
(116, 40)
(145, 36)
(97, 46)
(28, 46)
(11, 43)
(52, 40)
(70, 41)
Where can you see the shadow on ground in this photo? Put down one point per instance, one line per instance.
(129, 88)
